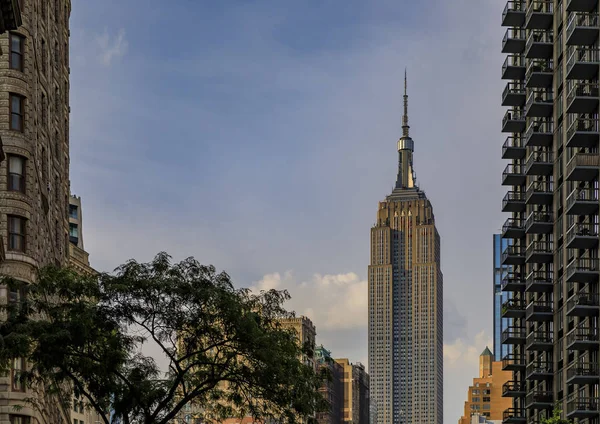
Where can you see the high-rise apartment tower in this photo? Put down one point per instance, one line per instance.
(553, 135)
(34, 175)
(406, 301)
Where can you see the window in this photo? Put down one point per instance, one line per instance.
(73, 211)
(16, 173)
(19, 419)
(17, 42)
(73, 233)
(486, 406)
(18, 382)
(486, 399)
(16, 233)
(16, 112)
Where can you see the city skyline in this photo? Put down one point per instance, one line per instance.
(352, 104)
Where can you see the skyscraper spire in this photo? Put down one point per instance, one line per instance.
(405, 126)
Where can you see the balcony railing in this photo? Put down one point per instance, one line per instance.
(513, 388)
(539, 73)
(582, 407)
(582, 201)
(540, 399)
(582, 28)
(583, 338)
(582, 236)
(513, 228)
(540, 282)
(583, 304)
(513, 335)
(513, 201)
(513, 148)
(540, 103)
(539, 370)
(513, 94)
(583, 372)
(513, 121)
(514, 13)
(583, 132)
(539, 163)
(513, 282)
(583, 270)
(514, 67)
(540, 340)
(513, 174)
(539, 44)
(513, 40)
(582, 63)
(583, 167)
(513, 308)
(540, 310)
(582, 98)
(539, 133)
(581, 5)
(539, 193)
(514, 416)
(513, 362)
(539, 222)
(513, 255)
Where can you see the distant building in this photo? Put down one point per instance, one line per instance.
(357, 407)
(78, 257)
(481, 419)
(306, 331)
(332, 389)
(500, 297)
(485, 394)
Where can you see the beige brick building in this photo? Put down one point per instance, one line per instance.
(356, 393)
(34, 175)
(484, 397)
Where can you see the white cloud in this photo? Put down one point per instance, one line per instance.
(112, 47)
(332, 302)
(461, 352)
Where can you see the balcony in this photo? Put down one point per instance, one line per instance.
(582, 63)
(539, 222)
(513, 255)
(583, 98)
(513, 308)
(583, 338)
(581, 5)
(540, 341)
(582, 407)
(514, 201)
(540, 103)
(582, 202)
(513, 148)
(540, 45)
(583, 270)
(583, 372)
(514, 68)
(514, 416)
(513, 282)
(539, 133)
(539, 311)
(539, 73)
(513, 228)
(539, 14)
(582, 236)
(514, 13)
(513, 336)
(539, 163)
(539, 193)
(513, 121)
(583, 167)
(539, 282)
(513, 362)
(513, 41)
(513, 389)
(583, 132)
(513, 175)
(540, 371)
(513, 94)
(582, 29)
(583, 304)
(539, 400)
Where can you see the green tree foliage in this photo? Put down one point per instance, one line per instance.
(555, 418)
(224, 348)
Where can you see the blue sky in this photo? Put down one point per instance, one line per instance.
(259, 136)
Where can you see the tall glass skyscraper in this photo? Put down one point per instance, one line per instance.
(500, 297)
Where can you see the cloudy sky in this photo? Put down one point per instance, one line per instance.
(259, 136)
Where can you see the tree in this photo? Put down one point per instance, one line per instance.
(224, 348)
(555, 418)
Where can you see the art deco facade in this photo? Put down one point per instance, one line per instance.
(356, 408)
(406, 302)
(551, 74)
(34, 175)
(485, 394)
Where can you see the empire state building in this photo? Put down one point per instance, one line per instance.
(406, 301)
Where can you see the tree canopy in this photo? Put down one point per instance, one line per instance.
(555, 418)
(224, 348)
